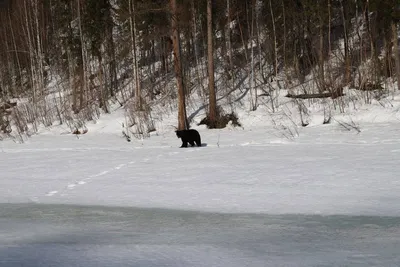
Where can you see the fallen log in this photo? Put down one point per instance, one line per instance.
(370, 87)
(333, 95)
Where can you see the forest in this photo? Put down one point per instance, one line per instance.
(68, 61)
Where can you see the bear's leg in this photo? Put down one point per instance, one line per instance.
(198, 141)
(184, 143)
(191, 142)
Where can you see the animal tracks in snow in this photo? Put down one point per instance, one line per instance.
(90, 178)
(100, 174)
(51, 193)
(120, 166)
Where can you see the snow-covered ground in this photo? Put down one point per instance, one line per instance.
(258, 196)
(326, 170)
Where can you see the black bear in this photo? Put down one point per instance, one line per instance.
(190, 136)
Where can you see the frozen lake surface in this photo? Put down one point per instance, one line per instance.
(39, 235)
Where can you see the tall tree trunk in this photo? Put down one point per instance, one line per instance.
(112, 71)
(275, 39)
(228, 35)
(74, 65)
(396, 53)
(32, 53)
(39, 50)
(253, 90)
(229, 47)
(211, 83)
(132, 25)
(346, 43)
(369, 30)
(284, 39)
(75, 79)
(199, 69)
(182, 119)
(16, 53)
(102, 93)
(329, 32)
(372, 39)
(360, 41)
(321, 54)
(83, 54)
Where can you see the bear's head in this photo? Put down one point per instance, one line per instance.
(178, 133)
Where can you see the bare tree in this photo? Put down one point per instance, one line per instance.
(182, 118)
(275, 39)
(321, 58)
(346, 42)
(228, 34)
(132, 27)
(396, 52)
(253, 90)
(211, 83)
(84, 71)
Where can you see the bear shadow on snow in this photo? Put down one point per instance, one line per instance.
(190, 136)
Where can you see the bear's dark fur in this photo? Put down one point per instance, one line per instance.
(190, 136)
